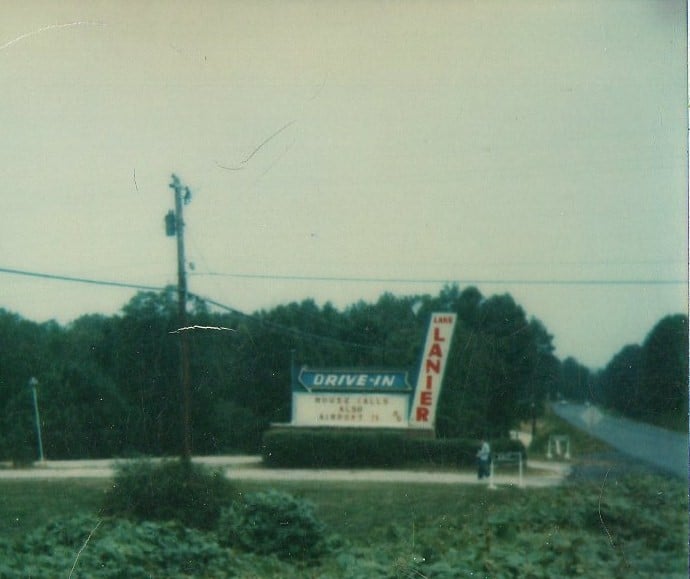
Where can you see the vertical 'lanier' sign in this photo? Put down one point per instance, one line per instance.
(434, 358)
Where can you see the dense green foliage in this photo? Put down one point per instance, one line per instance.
(615, 527)
(313, 448)
(274, 522)
(173, 490)
(592, 532)
(650, 381)
(108, 386)
(85, 547)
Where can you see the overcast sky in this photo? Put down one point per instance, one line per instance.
(529, 144)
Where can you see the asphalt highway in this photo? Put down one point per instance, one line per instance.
(662, 449)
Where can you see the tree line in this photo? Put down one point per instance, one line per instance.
(108, 386)
(649, 381)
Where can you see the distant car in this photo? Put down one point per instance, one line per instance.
(563, 401)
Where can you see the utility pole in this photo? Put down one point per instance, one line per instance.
(175, 226)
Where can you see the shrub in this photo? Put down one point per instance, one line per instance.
(173, 490)
(381, 449)
(276, 523)
(123, 549)
(331, 448)
(445, 452)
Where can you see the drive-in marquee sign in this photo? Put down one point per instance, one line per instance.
(354, 380)
(350, 410)
(376, 398)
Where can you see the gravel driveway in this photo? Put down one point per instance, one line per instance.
(538, 474)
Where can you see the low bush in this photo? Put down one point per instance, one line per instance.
(173, 490)
(86, 547)
(274, 522)
(373, 449)
(332, 448)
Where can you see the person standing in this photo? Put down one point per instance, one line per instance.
(483, 459)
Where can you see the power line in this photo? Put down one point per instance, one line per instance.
(277, 327)
(68, 278)
(294, 331)
(130, 285)
(581, 282)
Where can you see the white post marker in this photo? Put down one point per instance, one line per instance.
(555, 440)
(507, 457)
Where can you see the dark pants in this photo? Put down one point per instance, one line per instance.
(483, 469)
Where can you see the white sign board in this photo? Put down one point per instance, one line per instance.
(370, 410)
(431, 370)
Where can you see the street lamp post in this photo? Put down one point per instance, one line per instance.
(32, 384)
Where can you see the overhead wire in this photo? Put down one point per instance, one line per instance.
(273, 325)
(488, 281)
(294, 331)
(144, 287)
(68, 278)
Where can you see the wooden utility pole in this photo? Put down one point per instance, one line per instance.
(182, 197)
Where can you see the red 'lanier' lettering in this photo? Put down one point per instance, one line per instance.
(422, 414)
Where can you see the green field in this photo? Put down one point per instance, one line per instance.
(635, 528)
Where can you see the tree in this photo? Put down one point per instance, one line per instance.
(650, 382)
(619, 383)
(26, 349)
(664, 372)
(109, 385)
(146, 371)
(83, 412)
(492, 369)
(576, 381)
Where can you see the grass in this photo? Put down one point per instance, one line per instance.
(27, 504)
(620, 530)
(352, 509)
(619, 527)
(358, 511)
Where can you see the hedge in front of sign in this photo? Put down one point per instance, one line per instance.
(305, 448)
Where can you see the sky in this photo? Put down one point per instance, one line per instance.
(339, 150)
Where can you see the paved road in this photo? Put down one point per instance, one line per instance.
(663, 449)
(538, 474)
